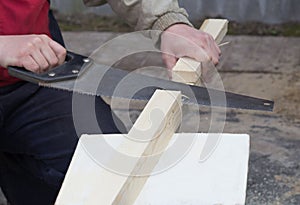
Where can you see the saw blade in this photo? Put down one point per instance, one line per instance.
(104, 81)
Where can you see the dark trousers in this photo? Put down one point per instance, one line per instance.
(38, 138)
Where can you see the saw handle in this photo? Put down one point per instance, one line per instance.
(73, 67)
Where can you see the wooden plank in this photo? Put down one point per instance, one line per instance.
(163, 117)
(188, 70)
(123, 177)
(215, 27)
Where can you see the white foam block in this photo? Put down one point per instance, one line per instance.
(220, 179)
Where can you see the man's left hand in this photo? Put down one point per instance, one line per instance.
(181, 40)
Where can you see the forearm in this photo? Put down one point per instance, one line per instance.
(177, 39)
(147, 14)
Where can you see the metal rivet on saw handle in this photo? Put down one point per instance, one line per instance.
(51, 74)
(86, 60)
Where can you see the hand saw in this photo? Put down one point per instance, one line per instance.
(80, 74)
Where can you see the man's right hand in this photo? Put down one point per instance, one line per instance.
(36, 53)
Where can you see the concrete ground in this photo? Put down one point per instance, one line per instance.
(266, 67)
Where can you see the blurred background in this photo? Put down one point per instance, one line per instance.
(262, 17)
(266, 11)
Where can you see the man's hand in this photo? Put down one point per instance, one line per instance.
(36, 53)
(181, 40)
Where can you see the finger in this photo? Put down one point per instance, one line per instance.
(40, 59)
(198, 53)
(211, 50)
(216, 46)
(217, 49)
(30, 64)
(215, 57)
(170, 61)
(50, 56)
(59, 51)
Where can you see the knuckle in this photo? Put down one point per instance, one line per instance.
(37, 40)
(44, 36)
(164, 57)
(44, 66)
(22, 53)
(53, 61)
(29, 47)
(62, 53)
(207, 35)
(34, 67)
(203, 40)
(41, 38)
(26, 50)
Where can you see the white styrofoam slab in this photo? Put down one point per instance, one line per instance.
(221, 179)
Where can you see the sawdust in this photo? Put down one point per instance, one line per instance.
(288, 105)
(294, 185)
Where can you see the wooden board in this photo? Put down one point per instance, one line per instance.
(221, 179)
(216, 27)
(188, 70)
(119, 174)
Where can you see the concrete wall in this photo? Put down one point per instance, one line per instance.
(266, 11)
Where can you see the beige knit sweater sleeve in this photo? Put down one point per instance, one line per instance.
(146, 14)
